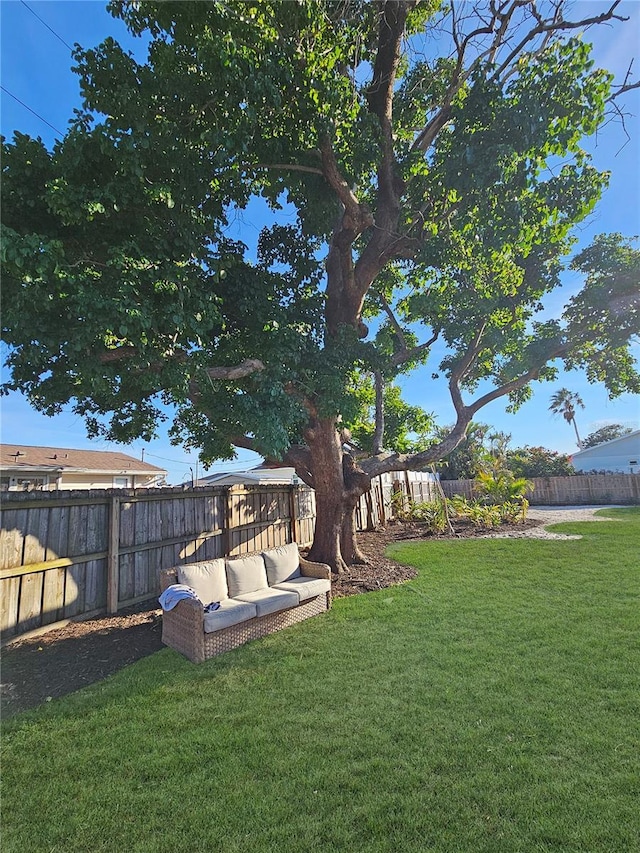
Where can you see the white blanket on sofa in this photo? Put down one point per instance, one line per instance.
(175, 593)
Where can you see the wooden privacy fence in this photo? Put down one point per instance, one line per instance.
(390, 492)
(564, 491)
(70, 555)
(66, 555)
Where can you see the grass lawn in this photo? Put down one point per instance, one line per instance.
(492, 704)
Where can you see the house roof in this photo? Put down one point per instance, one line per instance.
(28, 458)
(634, 437)
(262, 474)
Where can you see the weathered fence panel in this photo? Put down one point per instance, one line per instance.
(582, 489)
(70, 555)
(76, 554)
(377, 506)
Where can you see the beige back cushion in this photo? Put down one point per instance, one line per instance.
(282, 563)
(207, 578)
(246, 574)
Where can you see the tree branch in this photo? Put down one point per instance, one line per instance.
(556, 24)
(385, 463)
(239, 371)
(498, 25)
(378, 434)
(394, 322)
(357, 216)
(385, 243)
(299, 457)
(118, 354)
(245, 442)
(291, 167)
(415, 352)
(460, 371)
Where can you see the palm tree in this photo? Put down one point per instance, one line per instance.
(564, 403)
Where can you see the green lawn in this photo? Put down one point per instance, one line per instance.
(492, 704)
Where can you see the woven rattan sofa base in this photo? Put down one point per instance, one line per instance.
(183, 626)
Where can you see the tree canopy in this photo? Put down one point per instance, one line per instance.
(605, 433)
(423, 166)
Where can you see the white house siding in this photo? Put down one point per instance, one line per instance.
(621, 455)
(73, 480)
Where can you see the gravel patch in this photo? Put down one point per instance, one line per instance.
(546, 515)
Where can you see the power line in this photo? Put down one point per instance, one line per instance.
(45, 24)
(164, 459)
(37, 115)
(243, 465)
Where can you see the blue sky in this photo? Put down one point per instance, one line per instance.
(35, 68)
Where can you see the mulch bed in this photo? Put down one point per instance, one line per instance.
(66, 659)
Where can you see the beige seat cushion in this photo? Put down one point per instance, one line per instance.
(230, 612)
(246, 574)
(282, 563)
(271, 600)
(207, 578)
(305, 587)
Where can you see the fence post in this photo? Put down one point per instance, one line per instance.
(226, 521)
(383, 512)
(409, 487)
(293, 490)
(368, 500)
(113, 561)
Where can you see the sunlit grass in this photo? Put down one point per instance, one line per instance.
(491, 704)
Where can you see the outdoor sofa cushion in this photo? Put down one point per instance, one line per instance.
(208, 579)
(305, 587)
(246, 574)
(271, 600)
(282, 563)
(230, 612)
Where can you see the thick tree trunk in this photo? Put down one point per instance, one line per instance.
(348, 538)
(338, 484)
(356, 483)
(328, 481)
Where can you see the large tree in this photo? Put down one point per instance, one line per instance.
(423, 165)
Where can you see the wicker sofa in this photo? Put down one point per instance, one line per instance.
(253, 595)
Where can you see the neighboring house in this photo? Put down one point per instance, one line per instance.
(262, 475)
(50, 468)
(621, 455)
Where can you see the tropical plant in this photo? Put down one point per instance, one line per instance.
(407, 157)
(564, 403)
(498, 487)
(514, 510)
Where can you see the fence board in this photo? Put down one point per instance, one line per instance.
(141, 524)
(126, 576)
(141, 574)
(9, 596)
(53, 595)
(91, 580)
(58, 535)
(74, 593)
(127, 523)
(12, 540)
(35, 535)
